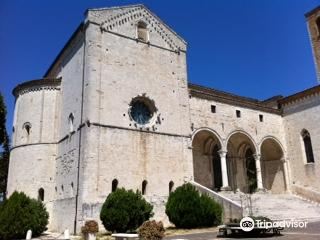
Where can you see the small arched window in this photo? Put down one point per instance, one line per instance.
(307, 146)
(27, 127)
(171, 184)
(144, 187)
(41, 194)
(142, 31)
(114, 185)
(318, 25)
(70, 120)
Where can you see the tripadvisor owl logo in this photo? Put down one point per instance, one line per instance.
(247, 224)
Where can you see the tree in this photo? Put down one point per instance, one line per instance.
(5, 146)
(19, 214)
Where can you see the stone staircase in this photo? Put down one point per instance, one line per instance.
(276, 206)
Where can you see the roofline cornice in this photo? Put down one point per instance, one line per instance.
(229, 98)
(80, 28)
(36, 84)
(147, 9)
(300, 95)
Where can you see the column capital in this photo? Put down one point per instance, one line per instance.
(257, 156)
(222, 153)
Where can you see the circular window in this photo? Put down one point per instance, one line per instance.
(142, 110)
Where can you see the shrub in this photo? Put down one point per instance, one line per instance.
(211, 211)
(125, 211)
(151, 230)
(187, 209)
(90, 226)
(21, 213)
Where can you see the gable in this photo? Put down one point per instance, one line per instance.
(124, 20)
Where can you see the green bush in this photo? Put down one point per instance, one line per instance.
(187, 209)
(151, 230)
(21, 213)
(124, 211)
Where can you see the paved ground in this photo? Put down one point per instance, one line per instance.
(312, 232)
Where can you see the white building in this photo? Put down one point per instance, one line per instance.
(115, 109)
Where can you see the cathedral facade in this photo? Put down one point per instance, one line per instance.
(115, 109)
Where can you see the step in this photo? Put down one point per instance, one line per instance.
(278, 206)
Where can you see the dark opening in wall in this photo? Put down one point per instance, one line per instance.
(41, 194)
(71, 120)
(27, 127)
(260, 117)
(238, 113)
(307, 146)
(171, 184)
(144, 187)
(114, 185)
(213, 108)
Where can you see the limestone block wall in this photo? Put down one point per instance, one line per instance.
(225, 121)
(37, 107)
(299, 115)
(71, 72)
(32, 158)
(119, 69)
(132, 157)
(69, 68)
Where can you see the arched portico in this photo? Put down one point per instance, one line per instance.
(273, 165)
(243, 168)
(206, 145)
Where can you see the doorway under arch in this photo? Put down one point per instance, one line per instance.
(272, 167)
(241, 162)
(206, 159)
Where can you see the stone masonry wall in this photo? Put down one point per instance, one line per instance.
(299, 115)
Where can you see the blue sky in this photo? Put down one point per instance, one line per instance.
(254, 48)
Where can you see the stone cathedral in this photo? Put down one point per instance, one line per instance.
(115, 109)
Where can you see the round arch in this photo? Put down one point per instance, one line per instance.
(275, 140)
(240, 131)
(208, 130)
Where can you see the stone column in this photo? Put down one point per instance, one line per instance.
(286, 174)
(224, 171)
(257, 157)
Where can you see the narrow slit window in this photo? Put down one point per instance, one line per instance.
(213, 108)
(144, 187)
(114, 185)
(71, 119)
(307, 146)
(41, 194)
(171, 184)
(238, 113)
(27, 128)
(261, 118)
